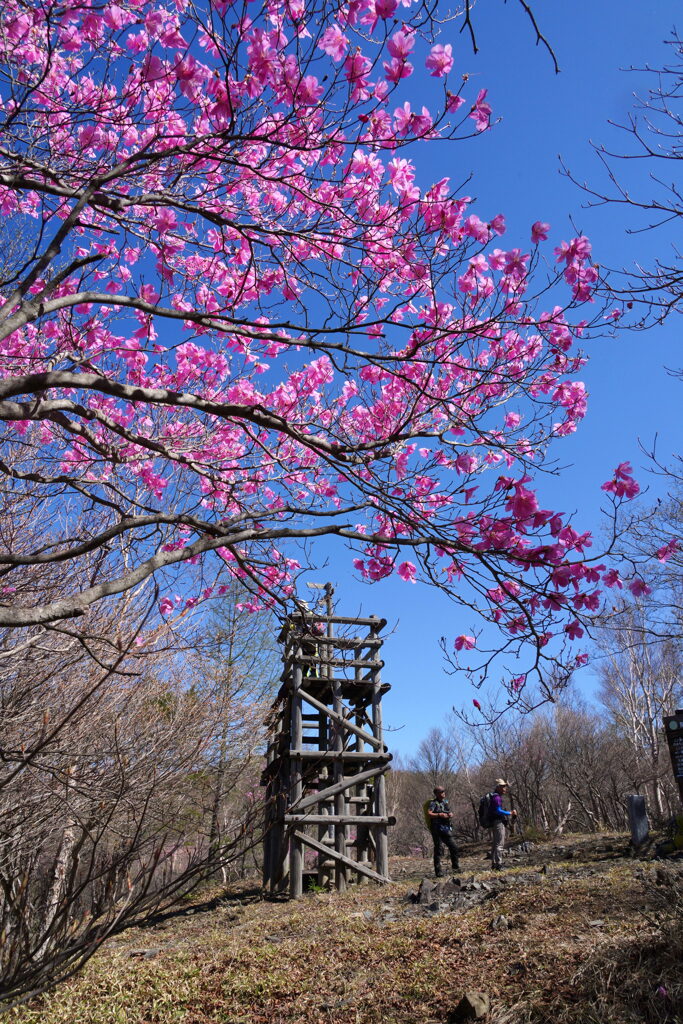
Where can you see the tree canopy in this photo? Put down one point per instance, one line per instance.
(232, 319)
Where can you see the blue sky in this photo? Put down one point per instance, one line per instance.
(516, 171)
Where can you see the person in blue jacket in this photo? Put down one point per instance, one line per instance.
(499, 819)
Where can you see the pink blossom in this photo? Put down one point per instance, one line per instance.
(401, 43)
(422, 122)
(539, 231)
(357, 70)
(639, 587)
(578, 249)
(385, 8)
(667, 550)
(622, 485)
(116, 17)
(440, 60)
(153, 68)
(403, 118)
(476, 228)
(309, 91)
(466, 463)
(497, 225)
(334, 43)
(481, 112)
(613, 579)
(407, 571)
(396, 69)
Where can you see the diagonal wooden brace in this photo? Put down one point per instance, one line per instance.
(329, 852)
(340, 720)
(338, 787)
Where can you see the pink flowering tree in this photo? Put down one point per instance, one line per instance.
(233, 318)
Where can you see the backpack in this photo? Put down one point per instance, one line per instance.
(485, 815)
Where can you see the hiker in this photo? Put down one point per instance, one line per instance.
(307, 633)
(439, 814)
(499, 818)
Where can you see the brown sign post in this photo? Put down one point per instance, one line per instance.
(673, 727)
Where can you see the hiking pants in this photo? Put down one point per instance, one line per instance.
(497, 843)
(447, 838)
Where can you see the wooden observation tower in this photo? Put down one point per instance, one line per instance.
(326, 819)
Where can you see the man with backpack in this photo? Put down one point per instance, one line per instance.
(493, 815)
(439, 817)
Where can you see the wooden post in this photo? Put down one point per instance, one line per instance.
(340, 807)
(380, 809)
(296, 853)
(324, 831)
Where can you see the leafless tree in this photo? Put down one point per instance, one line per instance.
(110, 738)
(240, 665)
(652, 136)
(640, 683)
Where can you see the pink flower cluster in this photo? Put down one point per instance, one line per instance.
(268, 321)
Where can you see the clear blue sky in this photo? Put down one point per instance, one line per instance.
(516, 172)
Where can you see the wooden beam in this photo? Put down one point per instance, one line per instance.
(342, 620)
(357, 865)
(339, 819)
(339, 719)
(338, 787)
(369, 663)
(341, 755)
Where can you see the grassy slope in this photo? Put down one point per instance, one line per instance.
(597, 939)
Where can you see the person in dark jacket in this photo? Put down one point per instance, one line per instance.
(440, 816)
(500, 818)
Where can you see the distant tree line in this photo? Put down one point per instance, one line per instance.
(570, 767)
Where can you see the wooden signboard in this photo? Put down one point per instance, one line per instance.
(673, 727)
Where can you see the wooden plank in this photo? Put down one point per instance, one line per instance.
(356, 865)
(342, 620)
(338, 787)
(341, 755)
(334, 819)
(339, 719)
(368, 663)
(347, 643)
(362, 687)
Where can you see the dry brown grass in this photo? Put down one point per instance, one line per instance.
(337, 959)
